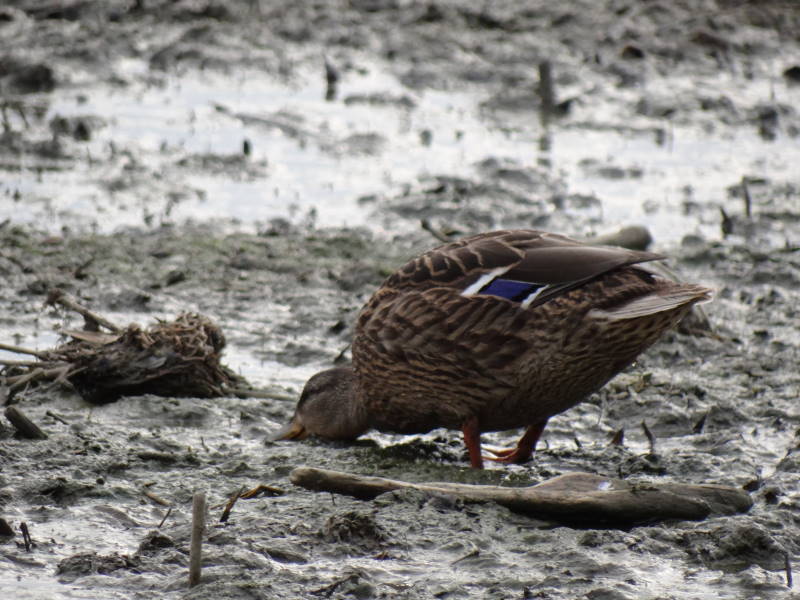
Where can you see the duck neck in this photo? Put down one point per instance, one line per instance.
(350, 419)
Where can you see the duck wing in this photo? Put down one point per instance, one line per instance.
(465, 304)
(525, 266)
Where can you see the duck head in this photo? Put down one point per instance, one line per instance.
(328, 408)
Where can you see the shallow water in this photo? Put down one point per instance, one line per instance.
(674, 176)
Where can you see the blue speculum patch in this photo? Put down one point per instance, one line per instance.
(510, 289)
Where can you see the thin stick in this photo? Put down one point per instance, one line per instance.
(727, 223)
(20, 363)
(91, 318)
(53, 415)
(470, 554)
(20, 350)
(169, 511)
(262, 489)
(426, 225)
(229, 506)
(547, 93)
(16, 384)
(195, 549)
(264, 394)
(42, 373)
(156, 498)
(788, 571)
(24, 425)
(650, 437)
(618, 439)
(748, 200)
(701, 423)
(26, 536)
(19, 381)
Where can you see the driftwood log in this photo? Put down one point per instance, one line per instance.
(578, 499)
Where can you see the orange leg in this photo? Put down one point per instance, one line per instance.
(525, 447)
(472, 440)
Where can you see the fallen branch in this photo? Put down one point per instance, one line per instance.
(24, 425)
(580, 499)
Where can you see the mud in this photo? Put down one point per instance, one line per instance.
(158, 158)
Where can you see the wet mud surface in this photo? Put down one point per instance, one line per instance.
(158, 158)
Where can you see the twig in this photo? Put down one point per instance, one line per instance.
(748, 201)
(93, 320)
(24, 425)
(727, 223)
(261, 489)
(263, 394)
(16, 384)
(80, 271)
(788, 566)
(169, 511)
(701, 423)
(157, 499)
(650, 437)
(426, 225)
(20, 363)
(53, 415)
(196, 547)
(19, 350)
(470, 554)
(26, 536)
(547, 93)
(229, 506)
(331, 80)
(618, 439)
(21, 380)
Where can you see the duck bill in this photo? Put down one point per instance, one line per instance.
(293, 431)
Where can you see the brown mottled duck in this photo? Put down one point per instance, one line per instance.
(492, 332)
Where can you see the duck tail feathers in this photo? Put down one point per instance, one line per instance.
(656, 302)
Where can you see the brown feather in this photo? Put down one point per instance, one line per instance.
(435, 347)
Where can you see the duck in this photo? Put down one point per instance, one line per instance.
(492, 332)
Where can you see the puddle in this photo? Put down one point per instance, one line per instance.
(314, 173)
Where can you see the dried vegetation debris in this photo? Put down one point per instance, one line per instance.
(179, 358)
